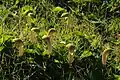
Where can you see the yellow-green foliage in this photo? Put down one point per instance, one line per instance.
(88, 24)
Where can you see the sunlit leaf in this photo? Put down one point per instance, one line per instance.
(1, 48)
(1, 40)
(45, 53)
(86, 53)
(112, 9)
(116, 42)
(117, 77)
(26, 8)
(58, 9)
(30, 51)
(64, 14)
(94, 43)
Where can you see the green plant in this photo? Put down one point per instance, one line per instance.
(90, 25)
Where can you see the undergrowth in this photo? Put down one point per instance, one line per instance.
(92, 26)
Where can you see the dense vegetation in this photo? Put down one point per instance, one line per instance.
(92, 26)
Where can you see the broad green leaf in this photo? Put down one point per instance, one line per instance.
(64, 14)
(26, 8)
(17, 1)
(78, 33)
(30, 51)
(57, 61)
(117, 77)
(116, 42)
(1, 40)
(86, 53)
(6, 37)
(58, 9)
(45, 52)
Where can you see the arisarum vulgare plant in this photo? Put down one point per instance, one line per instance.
(20, 46)
(47, 38)
(105, 55)
(70, 56)
(51, 31)
(33, 35)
